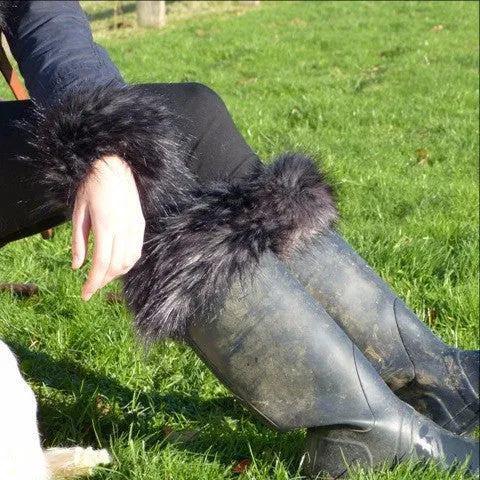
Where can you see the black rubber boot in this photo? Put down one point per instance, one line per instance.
(281, 353)
(440, 381)
(209, 274)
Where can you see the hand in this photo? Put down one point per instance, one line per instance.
(108, 205)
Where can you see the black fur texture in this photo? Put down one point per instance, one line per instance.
(4, 10)
(190, 259)
(199, 238)
(7, 14)
(69, 136)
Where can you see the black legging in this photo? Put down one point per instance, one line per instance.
(216, 151)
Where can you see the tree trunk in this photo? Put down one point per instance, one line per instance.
(151, 13)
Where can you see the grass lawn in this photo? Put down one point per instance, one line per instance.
(385, 94)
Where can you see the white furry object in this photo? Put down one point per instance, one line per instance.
(75, 461)
(21, 454)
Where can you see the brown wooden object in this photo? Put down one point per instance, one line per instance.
(11, 77)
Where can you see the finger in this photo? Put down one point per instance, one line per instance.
(135, 251)
(126, 251)
(81, 225)
(102, 253)
(118, 261)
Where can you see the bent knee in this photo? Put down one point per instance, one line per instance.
(203, 98)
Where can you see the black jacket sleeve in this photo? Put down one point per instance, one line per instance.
(53, 45)
(84, 111)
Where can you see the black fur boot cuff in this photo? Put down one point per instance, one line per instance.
(191, 258)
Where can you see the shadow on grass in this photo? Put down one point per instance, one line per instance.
(82, 407)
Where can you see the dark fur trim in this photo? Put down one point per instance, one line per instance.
(198, 239)
(81, 128)
(190, 259)
(4, 6)
(7, 10)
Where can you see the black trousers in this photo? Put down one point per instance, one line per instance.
(216, 151)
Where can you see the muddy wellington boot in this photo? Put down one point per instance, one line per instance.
(281, 353)
(211, 274)
(440, 381)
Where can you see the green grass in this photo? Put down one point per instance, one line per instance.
(388, 103)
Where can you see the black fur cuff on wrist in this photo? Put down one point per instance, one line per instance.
(199, 239)
(72, 134)
(190, 259)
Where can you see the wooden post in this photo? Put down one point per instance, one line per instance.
(151, 13)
